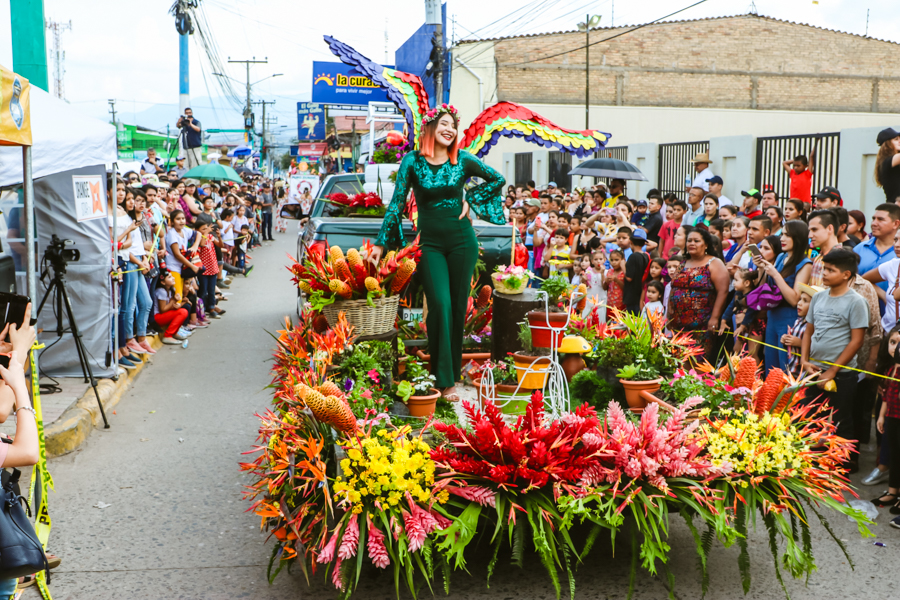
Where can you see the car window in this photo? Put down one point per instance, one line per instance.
(350, 187)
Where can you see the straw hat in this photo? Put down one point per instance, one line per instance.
(702, 157)
(811, 290)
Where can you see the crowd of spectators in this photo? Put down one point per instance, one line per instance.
(795, 279)
(178, 244)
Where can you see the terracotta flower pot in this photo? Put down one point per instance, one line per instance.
(537, 378)
(572, 364)
(635, 391)
(540, 335)
(423, 406)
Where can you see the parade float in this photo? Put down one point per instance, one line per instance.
(345, 482)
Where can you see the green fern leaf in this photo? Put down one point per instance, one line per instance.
(568, 560)
(518, 543)
(769, 520)
(589, 542)
(493, 562)
(836, 539)
(701, 553)
(744, 557)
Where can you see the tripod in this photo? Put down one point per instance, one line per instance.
(61, 297)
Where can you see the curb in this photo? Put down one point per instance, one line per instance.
(77, 423)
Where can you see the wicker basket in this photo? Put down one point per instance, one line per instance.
(365, 319)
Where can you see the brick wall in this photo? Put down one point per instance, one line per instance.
(732, 62)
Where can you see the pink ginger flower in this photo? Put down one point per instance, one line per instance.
(350, 542)
(414, 531)
(377, 550)
(396, 528)
(475, 493)
(327, 553)
(336, 575)
(592, 440)
(442, 521)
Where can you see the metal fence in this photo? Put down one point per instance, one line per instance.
(560, 163)
(772, 151)
(675, 166)
(523, 168)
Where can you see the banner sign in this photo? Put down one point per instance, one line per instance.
(90, 197)
(337, 83)
(310, 122)
(15, 109)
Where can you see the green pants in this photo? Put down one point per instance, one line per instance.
(449, 254)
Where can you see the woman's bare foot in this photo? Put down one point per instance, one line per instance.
(450, 394)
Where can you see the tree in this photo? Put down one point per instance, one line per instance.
(284, 161)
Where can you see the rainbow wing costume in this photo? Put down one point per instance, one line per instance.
(514, 120)
(404, 90)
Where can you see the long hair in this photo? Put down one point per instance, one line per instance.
(426, 139)
(885, 360)
(885, 152)
(798, 231)
(800, 207)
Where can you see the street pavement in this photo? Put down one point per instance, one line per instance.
(176, 526)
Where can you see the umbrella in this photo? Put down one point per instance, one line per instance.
(214, 172)
(245, 171)
(608, 167)
(241, 151)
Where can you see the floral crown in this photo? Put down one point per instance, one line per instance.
(435, 113)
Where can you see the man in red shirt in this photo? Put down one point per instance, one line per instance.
(801, 171)
(751, 203)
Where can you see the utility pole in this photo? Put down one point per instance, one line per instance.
(59, 57)
(248, 123)
(262, 146)
(439, 67)
(112, 109)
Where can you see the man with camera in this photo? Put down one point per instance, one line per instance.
(191, 137)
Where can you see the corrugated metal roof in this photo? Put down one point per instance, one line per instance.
(536, 35)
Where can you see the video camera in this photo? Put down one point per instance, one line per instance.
(58, 255)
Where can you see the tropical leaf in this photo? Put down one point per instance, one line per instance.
(740, 525)
(769, 520)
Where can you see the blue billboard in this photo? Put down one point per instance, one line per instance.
(337, 83)
(310, 122)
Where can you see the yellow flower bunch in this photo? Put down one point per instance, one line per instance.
(383, 468)
(753, 444)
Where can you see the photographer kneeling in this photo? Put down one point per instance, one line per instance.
(14, 399)
(192, 138)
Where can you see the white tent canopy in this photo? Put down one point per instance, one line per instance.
(63, 139)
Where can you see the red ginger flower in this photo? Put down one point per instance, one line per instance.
(327, 554)
(350, 542)
(377, 550)
(415, 531)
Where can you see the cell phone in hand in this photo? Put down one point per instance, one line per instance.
(12, 309)
(753, 249)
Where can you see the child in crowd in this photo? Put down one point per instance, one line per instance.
(837, 321)
(558, 259)
(673, 266)
(170, 313)
(640, 216)
(577, 273)
(727, 242)
(207, 279)
(801, 176)
(614, 282)
(654, 273)
(739, 317)
(888, 423)
(793, 339)
(594, 278)
(674, 213)
(654, 305)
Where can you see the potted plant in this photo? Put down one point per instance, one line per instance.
(532, 364)
(555, 286)
(639, 379)
(506, 394)
(510, 279)
(417, 390)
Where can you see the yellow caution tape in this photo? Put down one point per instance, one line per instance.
(43, 523)
(824, 362)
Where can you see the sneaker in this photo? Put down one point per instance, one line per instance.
(876, 476)
(126, 364)
(223, 286)
(247, 271)
(212, 315)
(895, 523)
(189, 327)
(201, 325)
(146, 346)
(171, 341)
(133, 346)
(183, 332)
(219, 311)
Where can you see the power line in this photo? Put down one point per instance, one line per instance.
(612, 37)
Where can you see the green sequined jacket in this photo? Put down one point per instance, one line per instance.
(441, 188)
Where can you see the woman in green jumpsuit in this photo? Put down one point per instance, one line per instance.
(448, 242)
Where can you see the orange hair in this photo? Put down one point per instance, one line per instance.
(426, 140)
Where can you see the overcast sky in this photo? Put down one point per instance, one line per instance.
(128, 50)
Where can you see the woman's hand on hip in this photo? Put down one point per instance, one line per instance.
(375, 254)
(465, 210)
